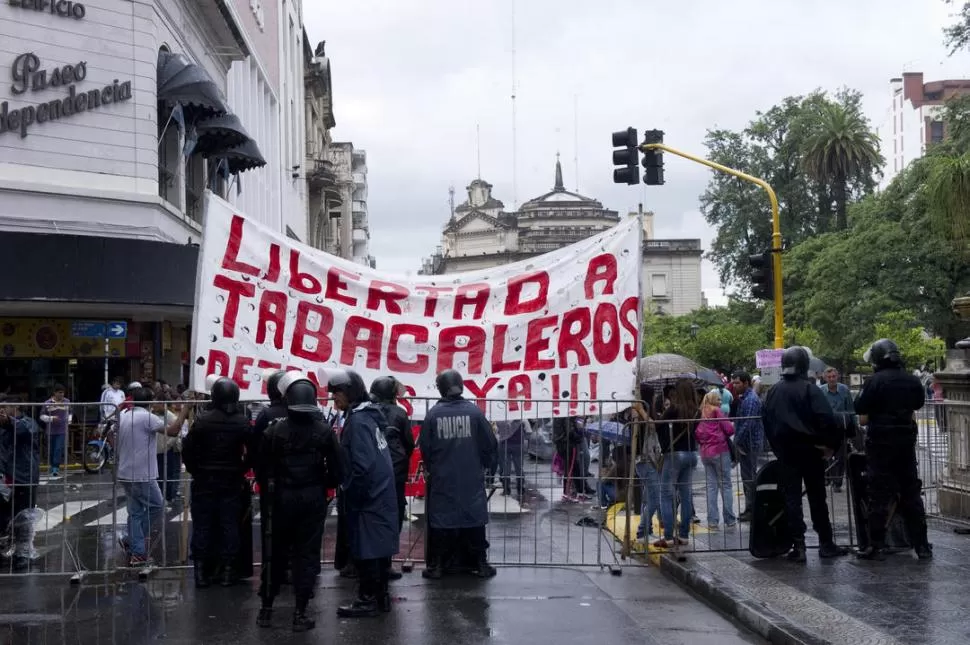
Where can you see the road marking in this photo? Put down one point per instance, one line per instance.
(55, 516)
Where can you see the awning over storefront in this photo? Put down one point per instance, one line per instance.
(243, 157)
(183, 83)
(219, 133)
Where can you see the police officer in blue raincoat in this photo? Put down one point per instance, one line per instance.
(370, 499)
(458, 448)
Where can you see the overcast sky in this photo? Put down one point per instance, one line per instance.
(411, 81)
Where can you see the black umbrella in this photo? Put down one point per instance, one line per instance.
(668, 368)
(243, 157)
(219, 133)
(181, 82)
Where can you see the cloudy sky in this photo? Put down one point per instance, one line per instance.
(412, 80)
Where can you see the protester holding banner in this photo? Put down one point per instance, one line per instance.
(459, 448)
(299, 460)
(370, 500)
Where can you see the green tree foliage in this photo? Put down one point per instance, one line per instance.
(892, 258)
(773, 146)
(842, 150)
(957, 35)
(916, 347)
(726, 337)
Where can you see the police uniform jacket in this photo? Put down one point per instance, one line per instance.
(368, 485)
(458, 448)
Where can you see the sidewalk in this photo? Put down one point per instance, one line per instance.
(901, 600)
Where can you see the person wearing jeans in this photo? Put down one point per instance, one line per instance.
(137, 471)
(675, 432)
(713, 434)
(56, 413)
(749, 439)
(676, 478)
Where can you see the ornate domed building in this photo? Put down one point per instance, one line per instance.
(480, 234)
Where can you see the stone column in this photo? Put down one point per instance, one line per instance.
(954, 482)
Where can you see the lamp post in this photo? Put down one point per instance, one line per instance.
(694, 328)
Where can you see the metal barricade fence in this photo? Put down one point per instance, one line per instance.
(565, 492)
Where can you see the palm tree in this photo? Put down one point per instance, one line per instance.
(948, 195)
(841, 150)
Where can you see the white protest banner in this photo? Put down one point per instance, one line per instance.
(556, 327)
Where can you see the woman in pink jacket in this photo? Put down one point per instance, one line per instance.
(712, 434)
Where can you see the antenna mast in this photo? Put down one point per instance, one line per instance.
(576, 138)
(478, 147)
(515, 178)
(451, 200)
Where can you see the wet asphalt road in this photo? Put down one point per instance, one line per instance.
(520, 605)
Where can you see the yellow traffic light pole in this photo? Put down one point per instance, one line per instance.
(775, 229)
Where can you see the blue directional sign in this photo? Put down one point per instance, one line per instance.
(87, 329)
(117, 329)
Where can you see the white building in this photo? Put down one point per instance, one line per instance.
(480, 234)
(266, 92)
(115, 122)
(360, 234)
(916, 119)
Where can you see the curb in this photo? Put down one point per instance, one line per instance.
(736, 604)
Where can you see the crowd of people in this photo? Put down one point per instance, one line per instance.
(809, 427)
(300, 457)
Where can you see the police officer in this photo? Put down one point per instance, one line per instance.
(370, 500)
(887, 404)
(802, 431)
(299, 459)
(215, 452)
(277, 407)
(384, 392)
(458, 448)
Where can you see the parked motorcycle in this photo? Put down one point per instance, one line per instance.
(99, 452)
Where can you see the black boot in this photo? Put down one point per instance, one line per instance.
(364, 607)
(831, 550)
(924, 551)
(229, 578)
(797, 553)
(302, 622)
(872, 552)
(265, 617)
(434, 570)
(202, 580)
(484, 570)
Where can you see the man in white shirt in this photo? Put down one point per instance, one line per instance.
(137, 469)
(111, 398)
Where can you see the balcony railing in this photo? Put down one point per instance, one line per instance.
(360, 178)
(321, 174)
(671, 245)
(359, 221)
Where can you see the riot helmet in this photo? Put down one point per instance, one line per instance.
(386, 389)
(298, 392)
(450, 384)
(882, 354)
(795, 361)
(272, 378)
(225, 394)
(349, 383)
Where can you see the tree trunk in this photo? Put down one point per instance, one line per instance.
(841, 197)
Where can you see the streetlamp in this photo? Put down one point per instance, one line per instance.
(694, 328)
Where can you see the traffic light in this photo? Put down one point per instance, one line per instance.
(653, 160)
(626, 157)
(762, 276)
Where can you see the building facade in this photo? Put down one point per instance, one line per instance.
(266, 91)
(116, 118)
(917, 118)
(323, 193)
(480, 234)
